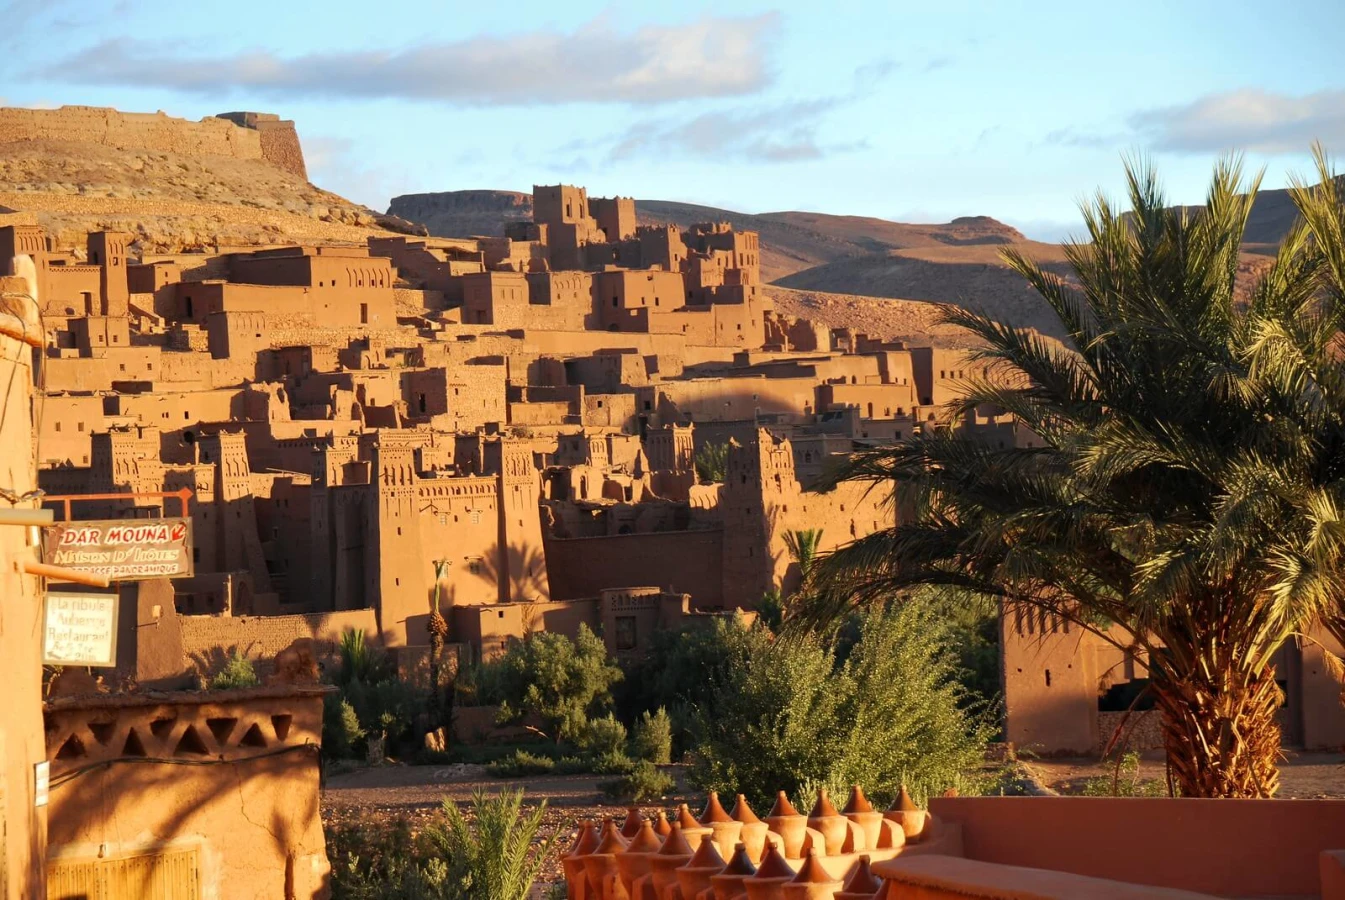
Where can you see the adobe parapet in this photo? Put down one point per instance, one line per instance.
(259, 136)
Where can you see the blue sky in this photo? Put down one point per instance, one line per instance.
(914, 112)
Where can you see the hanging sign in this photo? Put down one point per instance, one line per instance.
(122, 549)
(79, 629)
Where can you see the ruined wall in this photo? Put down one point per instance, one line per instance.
(130, 131)
(246, 135)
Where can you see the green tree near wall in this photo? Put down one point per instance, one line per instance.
(554, 679)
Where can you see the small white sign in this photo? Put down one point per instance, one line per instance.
(79, 629)
(41, 782)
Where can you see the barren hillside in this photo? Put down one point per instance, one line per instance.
(170, 202)
(790, 241)
(913, 321)
(968, 275)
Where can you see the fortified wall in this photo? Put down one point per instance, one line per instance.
(241, 135)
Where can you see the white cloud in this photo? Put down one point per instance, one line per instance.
(1253, 120)
(710, 57)
(1250, 119)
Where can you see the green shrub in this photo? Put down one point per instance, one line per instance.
(604, 736)
(789, 714)
(651, 739)
(359, 660)
(238, 672)
(341, 731)
(559, 681)
(521, 763)
(497, 856)
(682, 672)
(616, 763)
(383, 861)
(712, 462)
(1124, 781)
(644, 782)
(386, 707)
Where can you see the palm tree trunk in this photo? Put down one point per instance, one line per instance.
(1220, 732)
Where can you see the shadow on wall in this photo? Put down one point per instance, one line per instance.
(207, 820)
(208, 663)
(523, 578)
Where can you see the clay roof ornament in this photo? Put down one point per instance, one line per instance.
(862, 883)
(714, 811)
(631, 827)
(741, 812)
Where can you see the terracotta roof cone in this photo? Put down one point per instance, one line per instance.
(707, 857)
(904, 803)
(586, 841)
(661, 826)
(685, 818)
(645, 840)
(812, 871)
(675, 844)
(612, 841)
(773, 865)
(823, 806)
(631, 827)
(741, 863)
(782, 806)
(741, 812)
(862, 881)
(858, 803)
(714, 812)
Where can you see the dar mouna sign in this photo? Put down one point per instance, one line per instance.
(123, 550)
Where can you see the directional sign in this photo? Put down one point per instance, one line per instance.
(122, 549)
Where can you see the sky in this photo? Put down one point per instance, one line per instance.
(917, 112)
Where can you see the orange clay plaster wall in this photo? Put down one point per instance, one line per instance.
(1234, 848)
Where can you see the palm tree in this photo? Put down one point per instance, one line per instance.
(438, 632)
(803, 545)
(1185, 500)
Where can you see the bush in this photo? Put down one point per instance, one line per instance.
(521, 763)
(386, 707)
(383, 861)
(1124, 781)
(238, 672)
(360, 661)
(341, 731)
(682, 672)
(645, 782)
(604, 736)
(791, 714)
(651, 739)
(614, 763)
(559, 681)
(712, 463)
(495, 856)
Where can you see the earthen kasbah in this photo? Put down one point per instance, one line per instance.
(513, 420)
(507, 425)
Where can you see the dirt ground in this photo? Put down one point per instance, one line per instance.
(1303, 776)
